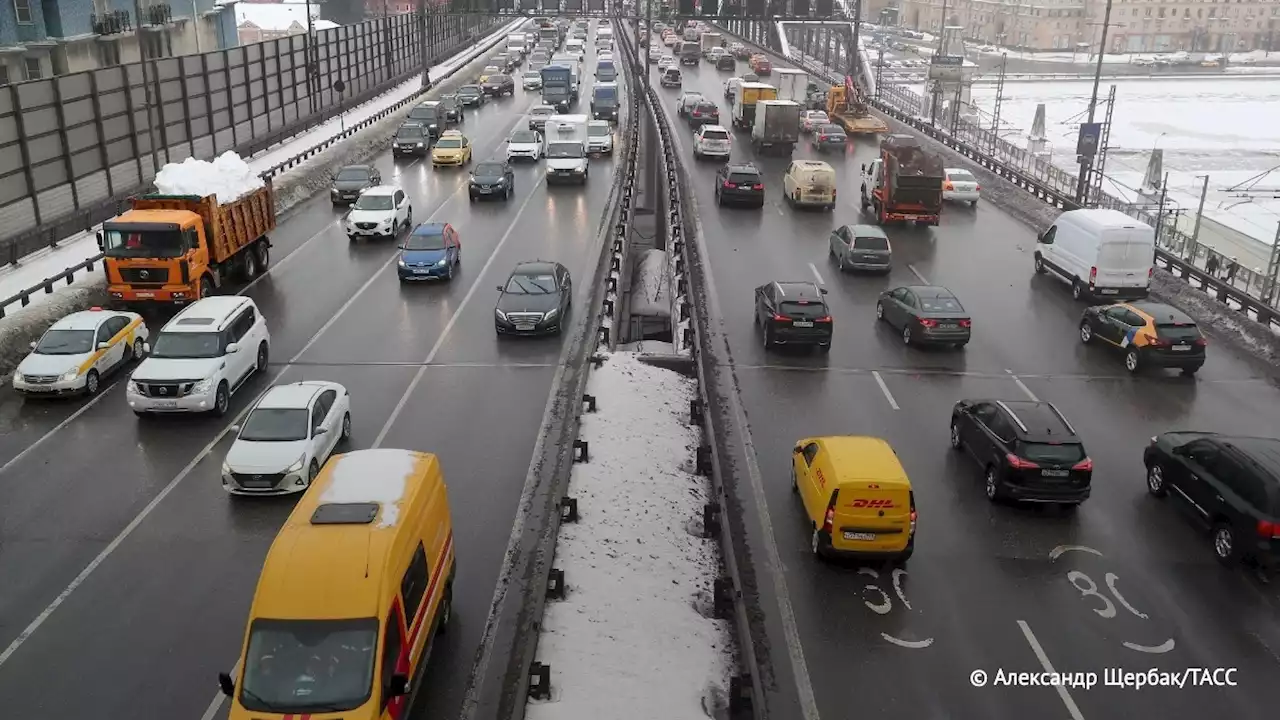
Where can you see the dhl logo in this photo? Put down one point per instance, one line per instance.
(874, 504)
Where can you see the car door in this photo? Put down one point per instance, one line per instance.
(764, 302)
(803, 464)
(1189, 478)
(116, 326)
(973, 429)
(402, 207)
(902, 307)
(466, 150)
(840, 242)
(318, 444)
(565, 283)
(1111, 325)
(105, 357)
(241, 362)
(1240, 495)
(509, 174)
(332, 422)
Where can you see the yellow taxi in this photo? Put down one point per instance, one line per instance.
(857, 497)
(76, 352)
(354, 588)
(453, 148)
(490, 71)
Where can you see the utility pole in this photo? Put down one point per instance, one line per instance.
(146, 83)
(1164, 193)
(1195, 232)
(309, 48)
(1086, 161)
(648, 46)
(426, 44)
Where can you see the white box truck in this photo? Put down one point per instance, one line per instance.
(792, 84)
(566, 149)
(709, 40)
(777, 125)
(1104, 254)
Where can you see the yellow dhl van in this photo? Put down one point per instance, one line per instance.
(355, 586)
(856, 495)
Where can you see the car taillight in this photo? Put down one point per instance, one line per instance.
(966, 323)
(823, 319)
(1085, 465)
(729, 184)
(926, 322)
(1093, 275)
(1151, 271)
(829, 520)
(1200, 342)
(948, 185)
(1268, 529)
(757, 186)
(822, 138)
(1017, 463)
(976, 188)
(781, 318)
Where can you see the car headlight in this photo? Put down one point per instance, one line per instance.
(297, 466)
(202, 387)
(70, 375)
(442, 261)
(334, 191)
(400, 262)
(501, 315)
(226, 469)
(551, 314)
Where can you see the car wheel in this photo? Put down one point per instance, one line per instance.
(1155, 480)
(261, 362)
(1131, 362)
(880, 312)
(446, 610)
(1039, 265)
(992, 483)
(92, 383)
(313, 471)
(346, 428)
(906, 335)
(221, 400)
(206, 287)
(1077, 290)
(1224, 544)
(471, 197)
(250, 265)
(815, 544)
(263, 249)
(138, 349)
(1086, 332)
(956, 442)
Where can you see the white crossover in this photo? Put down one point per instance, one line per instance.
(76, 352)
(286, 439)
(200, 358)
(599, 137)
(531, 80)
(524, 145)
(712, 141)
(379, 212)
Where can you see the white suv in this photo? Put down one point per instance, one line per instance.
(711, 141)
(380, 212)
(200, 357)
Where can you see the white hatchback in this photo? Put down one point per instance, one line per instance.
(286, 439)
(379, 212)
(76, 352)
(961, 186)
(712, 141)
(524, 145)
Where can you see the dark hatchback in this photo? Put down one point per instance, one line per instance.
(411, 139)
(471, 95)
(492, 179)
(739, 184)
(534, 299)
(726, 62)
(430, 115)
(352, 180)
(830, 137)
(1027, 450)
(704, 112)
(1231, 485)
(793, 313)
(498, 85)
(925, 315)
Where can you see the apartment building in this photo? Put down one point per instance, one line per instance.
(1136, 25)
(41, 38)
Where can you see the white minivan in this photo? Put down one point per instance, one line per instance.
(1104, 254)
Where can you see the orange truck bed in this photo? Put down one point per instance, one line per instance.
(229, 227)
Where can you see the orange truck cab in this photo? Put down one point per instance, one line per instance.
(856, 496)
(354, 588)
(179, 248)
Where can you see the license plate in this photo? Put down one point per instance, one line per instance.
(910, 217)
(166, 403)
(1110, 291)
(859, 536)
(524, 326)
(1055, 473)
(39, 388)
(421, 271)
(948, 326)
(146, 295)
(802, 323)
(486, 190)
(1182, 348)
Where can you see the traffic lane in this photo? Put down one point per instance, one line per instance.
(178, 588)
(482, 421)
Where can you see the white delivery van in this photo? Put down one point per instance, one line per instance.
(1104, 254)
(516, 45)
(566, 148)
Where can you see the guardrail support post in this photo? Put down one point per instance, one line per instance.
(723, 593)
(590, 402)
(702, 460)
(582, 451)
(569, 509)
(555, 584)
(710, 520)
(695, 411)
(540, 681)
(740, 694)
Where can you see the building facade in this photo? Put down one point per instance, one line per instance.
(41, 38)
(1136, 25)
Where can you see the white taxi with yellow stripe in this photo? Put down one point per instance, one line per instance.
(76, 352)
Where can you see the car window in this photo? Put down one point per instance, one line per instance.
(714, 134)
(1052, 453)
(1202, 452)
(1049, 234)
(802, 310)
(104, 332)
(399, 197)
(242, 325)
(117, 325)
(1178, 333)
(744, 178)
(909, 299)
(865, 242)
(325, 401)
(1115, 313)
(960, 176)
(1240, 480)
(317, 417)
(810, 452)
(1132, 318)
(1000, 426)
(940, 304)
(984, 412)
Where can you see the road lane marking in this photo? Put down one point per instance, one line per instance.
(1061, 550)
(1160, 649)
(817, 274)
(408, 363)
(923, 280)
(1022, 386)
(1072, 709)
(457, 313)
(885, 389)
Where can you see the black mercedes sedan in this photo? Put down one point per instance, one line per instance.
(534, 300)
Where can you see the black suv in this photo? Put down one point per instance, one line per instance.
(1027, 449)
(492, 179)
(794, 313)
(498, 85)
(740, 183)
(1231, 484)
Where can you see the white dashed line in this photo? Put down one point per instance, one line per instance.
(1072, 709)
(885, 389)
(1022, 386)
(817, 275)
(923, 280)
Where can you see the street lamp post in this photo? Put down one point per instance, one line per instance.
(1086, 161)
(146, 83)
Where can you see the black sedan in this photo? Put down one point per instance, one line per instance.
(830, 137)
(741, 184)
(534, 299)
(492, 179)
(704, 112)
(351, 181)
(926, 314)
(793, 313)
(498, 85)
(471, 96)
(726, 62)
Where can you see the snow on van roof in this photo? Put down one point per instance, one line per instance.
(371, 476)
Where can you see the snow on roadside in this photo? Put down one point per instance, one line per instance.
(633, 638)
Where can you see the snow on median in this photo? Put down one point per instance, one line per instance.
(633, 637)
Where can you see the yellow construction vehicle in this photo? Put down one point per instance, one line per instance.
(851, 113)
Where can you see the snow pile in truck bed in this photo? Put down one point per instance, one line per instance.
(228, 177)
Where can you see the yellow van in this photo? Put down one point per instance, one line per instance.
(856, 495)
(810, 183)
(355, 586)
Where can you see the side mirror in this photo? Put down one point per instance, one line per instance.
(234, 429)
(864, 167)
(104, 345)
(102, 245)
(233, 348)
(227, 685)
(146, 348)
(33, 344)
(398, 686)
(320, 431)
(822, 290)
(499, 288)
(797, 450)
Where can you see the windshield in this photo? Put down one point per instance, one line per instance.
(180, 345)
(427, 114)
(491, 70)
(424, 242)
(564, 150)
(803, 310)
(351, 174)
(447, 143)
(871, 243)
(409, 132)
(598, 131)
(309, 665)
(524, 136)
(469, 90)
(940, 304)
(531, 285)
(276, 425)
(489, 170)
(1047, 454)
(715, 135)
(65, 342)
(149, 244)
(373, 202)
(533, 76)
(831, 130)
(538, 111)
(605, 94)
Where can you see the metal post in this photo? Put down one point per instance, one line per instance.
(309, 48)
(1086, 161)
(195, 25)
(426, 44)
(1195, 231)
(146, 83)
(648, 46)
(1164, 194)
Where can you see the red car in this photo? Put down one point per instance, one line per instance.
(760, 65)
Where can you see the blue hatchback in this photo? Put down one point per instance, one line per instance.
(431, 252)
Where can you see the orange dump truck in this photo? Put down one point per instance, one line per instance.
(180, 248)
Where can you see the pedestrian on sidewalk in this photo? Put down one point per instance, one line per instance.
(1232, 267)
(1211, 266)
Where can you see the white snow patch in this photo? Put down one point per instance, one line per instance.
(627, 643)
(371, 476)
(651, 294)
(228, 177)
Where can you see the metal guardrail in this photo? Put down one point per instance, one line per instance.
(1056, 187)
(745, 692)
(49, 284)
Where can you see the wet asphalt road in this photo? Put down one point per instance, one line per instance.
(983, 591)
(148, 629)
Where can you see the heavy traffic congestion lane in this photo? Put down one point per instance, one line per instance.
(195, 560)
(980, 568)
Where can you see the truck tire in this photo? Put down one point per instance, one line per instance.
(250, 267)
(206, 287)
(263, 250)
